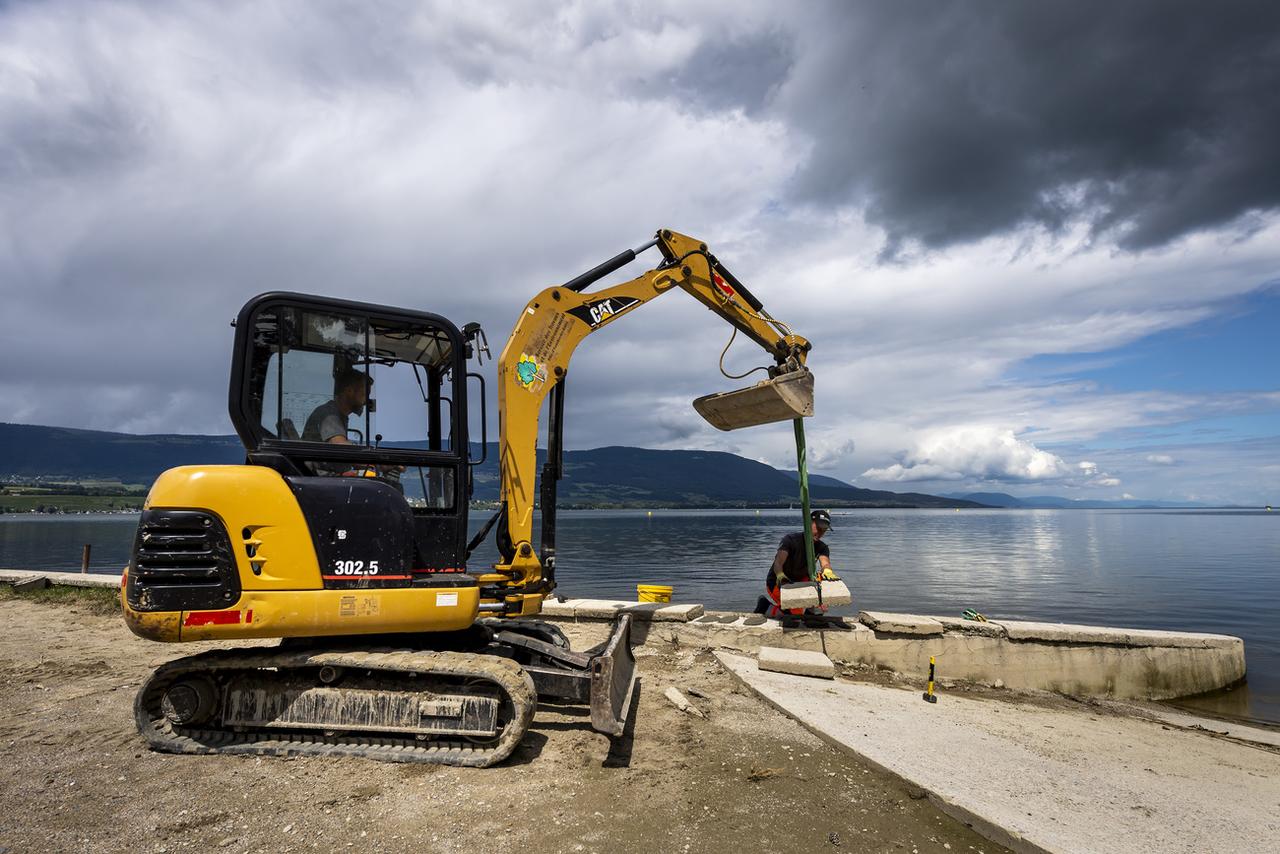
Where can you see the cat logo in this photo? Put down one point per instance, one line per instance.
(595, 313)
(600, 311)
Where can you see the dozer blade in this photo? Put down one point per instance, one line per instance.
(613, 674)
(782, 398)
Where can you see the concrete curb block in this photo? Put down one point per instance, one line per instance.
(899, 624)
(797, 662)
(607, 609)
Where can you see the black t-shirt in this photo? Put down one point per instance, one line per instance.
(793, 545)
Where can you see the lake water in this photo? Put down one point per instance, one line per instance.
(1185, 570)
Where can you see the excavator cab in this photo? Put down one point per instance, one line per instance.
(363, 410)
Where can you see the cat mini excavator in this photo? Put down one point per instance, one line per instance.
(353, 550)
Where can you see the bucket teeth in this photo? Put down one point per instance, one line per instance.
(782, 398)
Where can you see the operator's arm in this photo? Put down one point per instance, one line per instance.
(780, 566)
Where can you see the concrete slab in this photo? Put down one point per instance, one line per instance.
(69, 579)
(1068, 633)
(607, 609)
(801, 595)
(1043, 779)
(556, 608)
(796, 661)
(901, 624)
(34, 582)
(835, 593)
(990, 628)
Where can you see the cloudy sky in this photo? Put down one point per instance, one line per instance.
(1036, 245)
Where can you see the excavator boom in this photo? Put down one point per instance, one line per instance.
(535, 362)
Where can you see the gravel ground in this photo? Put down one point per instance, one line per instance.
(744, 777)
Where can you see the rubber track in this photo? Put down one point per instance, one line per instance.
(162, 735)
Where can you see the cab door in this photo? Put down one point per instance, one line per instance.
(362, 410)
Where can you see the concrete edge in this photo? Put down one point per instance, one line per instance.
(608, 609)
(67, 579)
(980, 824)
(908, 626)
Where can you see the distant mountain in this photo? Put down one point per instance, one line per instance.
(819, 479)
(62, 452)
(601, 477)
(643, 477)
(1053, 502)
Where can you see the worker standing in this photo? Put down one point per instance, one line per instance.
(789, 564)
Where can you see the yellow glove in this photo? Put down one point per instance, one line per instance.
(829, 575)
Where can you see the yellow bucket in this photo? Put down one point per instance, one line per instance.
(653, 593)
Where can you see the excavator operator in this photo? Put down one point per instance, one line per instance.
(789, 564)
(328, 421)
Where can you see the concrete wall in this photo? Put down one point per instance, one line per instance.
(1086, 661)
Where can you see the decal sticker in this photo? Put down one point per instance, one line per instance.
(446, 600)
(544, 344)
(528, 372)
(359, 606)
(355, 567)
(722, 284)
(595, 313)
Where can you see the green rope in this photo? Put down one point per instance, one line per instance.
(803, 467)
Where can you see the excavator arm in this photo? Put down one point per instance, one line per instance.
(534, 363)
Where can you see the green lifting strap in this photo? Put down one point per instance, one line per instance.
(803, 467)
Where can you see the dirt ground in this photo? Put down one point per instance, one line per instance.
(76, 777)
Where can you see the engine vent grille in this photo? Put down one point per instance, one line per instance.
(182, 560)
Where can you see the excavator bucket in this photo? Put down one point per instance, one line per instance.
(783, 398)
(613, 678)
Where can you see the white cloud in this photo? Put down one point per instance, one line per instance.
(828, 453)
(977, 452)
(1160, 459)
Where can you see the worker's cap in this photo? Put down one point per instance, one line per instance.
(822, 517)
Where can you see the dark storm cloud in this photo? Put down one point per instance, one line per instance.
(733, 73)
(954, 121)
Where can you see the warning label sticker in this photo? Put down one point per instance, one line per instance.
(359, 606)
(446, 600)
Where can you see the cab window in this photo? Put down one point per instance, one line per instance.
(325, 378)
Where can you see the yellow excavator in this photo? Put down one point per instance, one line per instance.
(353, 549)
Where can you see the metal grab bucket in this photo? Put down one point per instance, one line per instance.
(782, 398)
